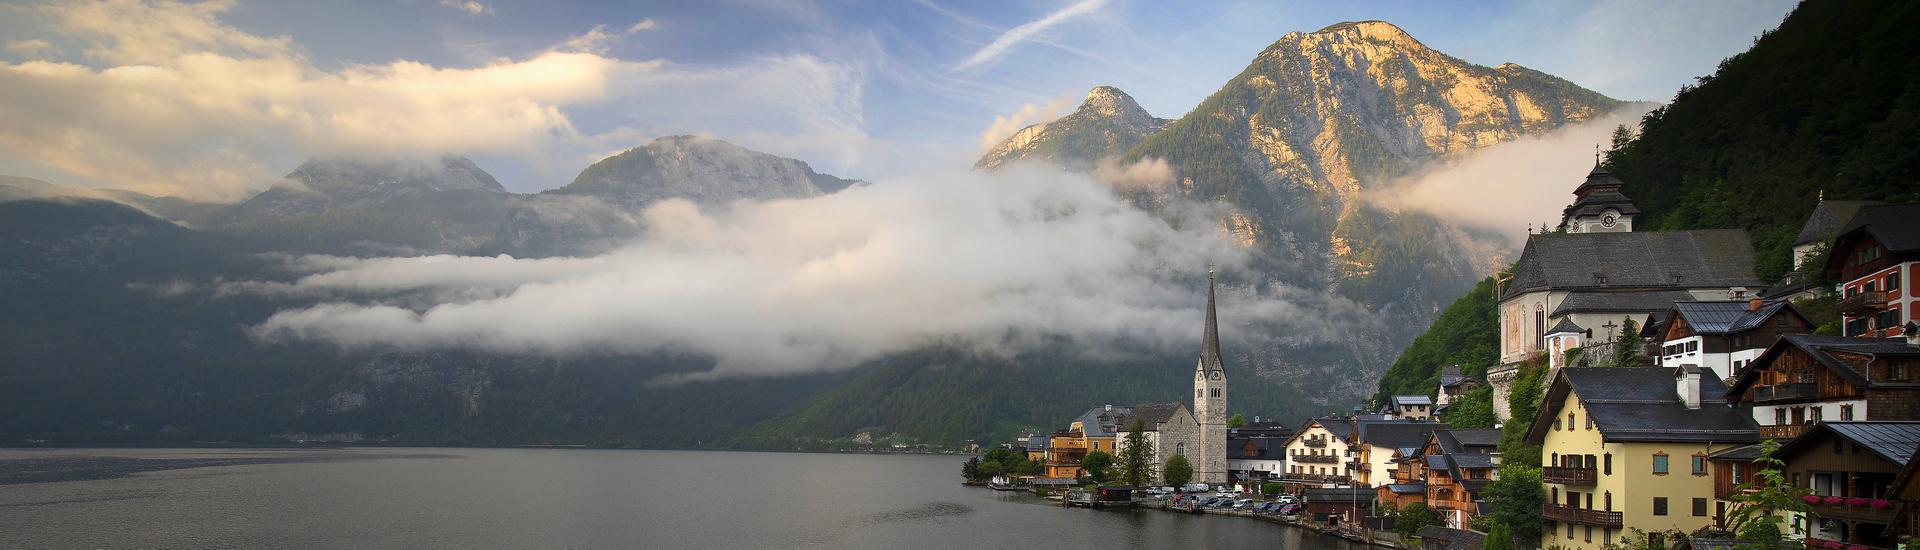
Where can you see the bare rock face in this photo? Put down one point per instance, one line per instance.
(1107, 124)
(709, 172)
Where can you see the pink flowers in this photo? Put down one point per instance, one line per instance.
(1832, 544)
(1856, 502)
(1834, 501)
(1810, 499)
(1882, 504)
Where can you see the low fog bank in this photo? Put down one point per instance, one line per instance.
(1019, 260)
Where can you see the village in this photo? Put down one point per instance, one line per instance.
(1651, 392)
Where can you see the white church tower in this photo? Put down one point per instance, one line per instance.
(1210, 402)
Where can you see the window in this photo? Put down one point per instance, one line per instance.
(1589, 422)
(1900, 372)
(1556, 424)
(1609, 501)
(1180, 448)
(1779, 417)
(1813, 414)
(1699, 464)
(1869, 254)
(1216, 392)
(1693, 346)
(1887, 319)
(1539, 327)
(1606, 461)
(1856, 326)
(1659, 506)
(1569, 531)
(1892, 282)
(1699, 507)
(1589, 533)
(1846, 413)
(1660, 465)
(1570, 422)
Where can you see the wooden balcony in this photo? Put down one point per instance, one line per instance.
(1783, 432)
(1569, 514)
(1867, 514)
(1315, 459)
(1314, 442)
(1585, 477)
(1785, 392)
(1865, 302)
(1313, 478)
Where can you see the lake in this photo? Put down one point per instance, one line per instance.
(554, 498)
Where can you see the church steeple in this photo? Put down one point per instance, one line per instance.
(1598, 206)
(1210, 344)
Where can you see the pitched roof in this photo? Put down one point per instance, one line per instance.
(1565, 326)
(1893, 441)
(1631, 301)
(1892, 225)
(1398, 434)
(1728, 316)
(1341, 428)
(1455, 539)
(1415, 488)
(1639, 404)
(1450, 376)
(1743, 453)
(1101, 421)
(1469, 438)
(1210, 341)
(1265, 448)
(1709, 258)
(1600, 191)
(1153, 413)
(1404, 400)
(1818, 347)
(1827, 219)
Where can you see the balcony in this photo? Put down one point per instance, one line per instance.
(1316, 443)
(1585, 477)
(1865, 302)
(1569, 514)
(1863, 513)
(1316, 459)
(1783, 432)
(1313, 478)
(1785, 392)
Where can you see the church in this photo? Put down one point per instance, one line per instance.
(1198, 431)
(1574, 288)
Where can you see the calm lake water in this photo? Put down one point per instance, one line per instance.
(539, 498)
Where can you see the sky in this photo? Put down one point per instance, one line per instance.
(216, 100)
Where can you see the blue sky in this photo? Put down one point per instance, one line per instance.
(535, 91)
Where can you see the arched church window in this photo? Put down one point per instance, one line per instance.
(1180, 448)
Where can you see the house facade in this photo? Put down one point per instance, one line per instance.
(1875, 257)
(1724, 336)
(1321, 453)
(1805, 379)
(1850, 467)
(1626, 448)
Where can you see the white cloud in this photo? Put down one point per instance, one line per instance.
(1014, 36)
(185, 105)
(1150, 174)
(1000, 263)
(1005, 125)
(1533, 177)
(643, 25)
(33, 46)
(470, 7)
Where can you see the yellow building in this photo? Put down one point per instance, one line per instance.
(1094, 430)
(1626, 448)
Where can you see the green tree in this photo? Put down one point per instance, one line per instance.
(1272, 488)
(1136, 461)
(1472, 410)
(1516, 498)
(1178, 471)
(1498, 538)
(1237, 421)
(971, 469)
(990, 469)
(1097, 463)
(1413, 517)
(1628, 346)
(1755, 516)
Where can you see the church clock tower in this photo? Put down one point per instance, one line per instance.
(1210, 402)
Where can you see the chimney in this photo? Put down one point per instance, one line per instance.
(1687, 384)
(1753, 304)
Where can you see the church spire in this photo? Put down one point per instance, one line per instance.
(1210, 346)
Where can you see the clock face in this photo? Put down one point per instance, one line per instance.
(1607, 220)
(1213, 375)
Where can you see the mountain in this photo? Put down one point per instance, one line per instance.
(709, 172)
(1107, 124)
(1828, 102)
(1293, 144)
(13, 188)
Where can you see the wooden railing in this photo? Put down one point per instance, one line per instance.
(1316, 459)
(1783, 432)
(1570, 514)
(1314, 442)
(1865, 301)
(1784, 392)
(1314, 478)
(1566, 475)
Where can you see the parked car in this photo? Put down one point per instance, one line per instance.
(1287, 499)
(1290, 509)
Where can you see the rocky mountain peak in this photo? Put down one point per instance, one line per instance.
(707, 171)
(1110, 102)
(340, 176)
(1107, 124)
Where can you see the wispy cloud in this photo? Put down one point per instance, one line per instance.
(1005, 125)
(470, 7)
(643, 25)
(1013, 37)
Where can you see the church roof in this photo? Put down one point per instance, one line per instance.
(1600, 192)
(1565, 325)
(1152, 413)
(1613, 301)
(1827, 219)
(1210, 344)
(1670, 260)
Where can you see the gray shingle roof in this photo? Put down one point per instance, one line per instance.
(1488, 437)
(1403, 400)
(1407, 488)
(1265, 448)
(1711, 258)
(1817, 347)
(1827, 219)
(1743, 453)
(1395, 434)
(1639, 404)
(1152, 413)
(1893, 441)
(1629, 301)
(1565, 325)
(1727, 317)
(1450, 376)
